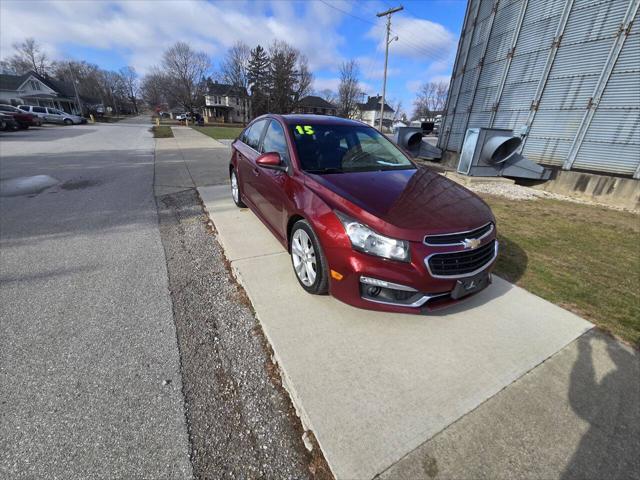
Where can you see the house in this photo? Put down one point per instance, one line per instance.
(369, 112)
(33, 89)
(316, 105)
(227, 104)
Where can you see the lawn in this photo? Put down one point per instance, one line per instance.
(583, 258)
(220, 132)
(162, 131)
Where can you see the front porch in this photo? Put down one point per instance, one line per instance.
(65, 104)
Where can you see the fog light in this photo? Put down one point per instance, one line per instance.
(373, 291)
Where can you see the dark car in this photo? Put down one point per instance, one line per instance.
(359, 218)
(23, 119)
(8, 122)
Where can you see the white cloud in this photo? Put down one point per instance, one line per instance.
(140, 30)
(417, 38)
(320, 84)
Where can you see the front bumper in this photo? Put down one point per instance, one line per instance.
(408, 287)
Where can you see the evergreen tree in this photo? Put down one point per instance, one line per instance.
(259, 76)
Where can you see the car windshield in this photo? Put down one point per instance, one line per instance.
(345, 148)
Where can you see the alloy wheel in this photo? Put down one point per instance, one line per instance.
(304, 257)
(235, 193)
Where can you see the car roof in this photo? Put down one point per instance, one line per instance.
(292, 119)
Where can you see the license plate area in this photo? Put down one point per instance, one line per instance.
(470, 285)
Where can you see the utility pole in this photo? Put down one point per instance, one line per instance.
(388, 14)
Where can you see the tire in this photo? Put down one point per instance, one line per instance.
(68, 121)
(307, 258)
(236, 193)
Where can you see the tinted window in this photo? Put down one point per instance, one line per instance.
(275, 141)
(53, 111)
(39, 110)
(330, 148)
(252, 137)
(23, 107)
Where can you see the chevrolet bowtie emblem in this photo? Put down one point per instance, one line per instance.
(471, 243)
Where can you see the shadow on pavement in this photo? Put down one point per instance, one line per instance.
(33, 134)
(611, 405)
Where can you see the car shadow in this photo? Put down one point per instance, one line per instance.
(610, 405)
(512, 260)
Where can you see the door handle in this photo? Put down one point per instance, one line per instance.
(256, 171)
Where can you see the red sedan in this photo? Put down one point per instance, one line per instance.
(359, 218)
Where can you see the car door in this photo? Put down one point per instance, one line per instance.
(248, 152)
(271, 185)
(53, 116)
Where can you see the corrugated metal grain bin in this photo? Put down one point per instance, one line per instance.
(565, 72)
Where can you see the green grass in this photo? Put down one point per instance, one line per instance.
(162, 131)
(581, 257)
(219, 133)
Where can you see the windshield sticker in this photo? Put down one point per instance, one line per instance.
(305, 129)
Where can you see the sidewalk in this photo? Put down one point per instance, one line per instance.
(188, 160)
(486, 389)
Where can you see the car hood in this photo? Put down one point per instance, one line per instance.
(406, 203)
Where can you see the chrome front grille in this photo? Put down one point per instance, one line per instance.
(462, 264)
(458, 238)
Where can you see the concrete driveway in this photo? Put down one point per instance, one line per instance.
(90, 385)
(375, 388)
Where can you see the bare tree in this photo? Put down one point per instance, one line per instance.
(328, 95)
(186, 70)
(28, 56)
(349, 90)
(131, 85)
(431, 97)
(153, 89)
(235, 66)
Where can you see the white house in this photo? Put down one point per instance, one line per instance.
(227, 104)
(369, 112)
(34, 89)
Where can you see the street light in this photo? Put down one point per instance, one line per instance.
(388, 14)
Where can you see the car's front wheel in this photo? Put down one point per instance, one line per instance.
(308, 260)
(235, 190)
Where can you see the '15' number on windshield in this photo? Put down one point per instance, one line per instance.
(306, 129)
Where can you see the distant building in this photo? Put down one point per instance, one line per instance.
(369, 112)
(316, 105)
(227, 104)
(33, 89)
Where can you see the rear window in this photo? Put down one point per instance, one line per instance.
(23, 107)
(7, 108)
(326, 148)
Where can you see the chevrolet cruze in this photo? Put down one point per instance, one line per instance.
(360, 220)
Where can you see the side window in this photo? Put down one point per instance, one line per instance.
(52, 111)
(275, 141)
(24, 108)
(39, 110)
(252, 137)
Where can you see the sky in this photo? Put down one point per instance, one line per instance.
(117, 33)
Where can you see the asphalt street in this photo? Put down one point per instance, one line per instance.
(90, 383)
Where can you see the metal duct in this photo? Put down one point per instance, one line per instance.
(499, 149)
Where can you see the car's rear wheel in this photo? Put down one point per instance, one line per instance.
(307, 259)
(235, 190)
(68, 121)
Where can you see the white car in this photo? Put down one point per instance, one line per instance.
(53, 115)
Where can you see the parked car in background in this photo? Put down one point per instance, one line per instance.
(9, 123)
(23, 119)
(359, 218)
(35, 110)
(54, 115)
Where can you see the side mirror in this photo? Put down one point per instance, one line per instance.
(271, 160)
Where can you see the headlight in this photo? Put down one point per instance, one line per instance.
(366, 240)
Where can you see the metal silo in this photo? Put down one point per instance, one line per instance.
(566, 73)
